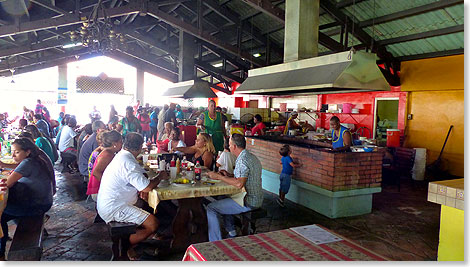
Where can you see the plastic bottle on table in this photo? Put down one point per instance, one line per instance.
(178, 165)
(173, 162)
(197, 171)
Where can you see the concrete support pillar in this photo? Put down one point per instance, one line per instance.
(62, 87)
(188, 49)
(301, 29)
(139, 94)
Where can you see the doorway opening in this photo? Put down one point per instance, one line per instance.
(385, 117)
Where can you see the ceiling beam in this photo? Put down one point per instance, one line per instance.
(24, 49)
(65, 20)
(211, 69)
(422, 35)
(137, 52)
(6, 65)
(44, 4)
(452, 52)
(346, 3)
(145, 66)
(154, 11)
(254, 31)
(411, 12)
(268, 8)
(132, 33)
(323, 39)
(359, 33)
(47, 64)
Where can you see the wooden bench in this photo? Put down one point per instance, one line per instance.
(26, 243)
(120, 233)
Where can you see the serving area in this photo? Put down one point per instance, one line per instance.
(337, 184)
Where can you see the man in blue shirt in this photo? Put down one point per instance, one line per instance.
(41, 124)
(153, 124)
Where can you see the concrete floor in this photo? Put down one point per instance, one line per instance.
(403, 226)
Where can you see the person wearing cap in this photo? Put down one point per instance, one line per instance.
(291, 123)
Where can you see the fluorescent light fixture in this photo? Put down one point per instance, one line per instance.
(218, 65)
(257, 55)
(72, 45)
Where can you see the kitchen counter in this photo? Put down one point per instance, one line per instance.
(335, 184)
(295, 141)
(450, 195)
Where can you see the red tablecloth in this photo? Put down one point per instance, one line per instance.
(283, 245)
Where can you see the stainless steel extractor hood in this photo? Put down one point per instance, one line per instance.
(190, 89)
(303, 72)
(336, 73)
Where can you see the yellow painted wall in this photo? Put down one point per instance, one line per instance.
(451, 235)
(442, 73)
(436, 100)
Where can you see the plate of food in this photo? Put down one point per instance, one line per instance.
(182, 182)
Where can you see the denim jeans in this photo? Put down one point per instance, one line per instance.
(225, 207)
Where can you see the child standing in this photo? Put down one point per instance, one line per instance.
(285, 177)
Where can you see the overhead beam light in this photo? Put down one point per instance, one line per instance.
(257, 55)
(218, 65)
(72, 45)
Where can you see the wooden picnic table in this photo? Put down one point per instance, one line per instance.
(190, 210)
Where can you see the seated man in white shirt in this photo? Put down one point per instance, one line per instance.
(226, 160)
(122, 181)
(67, 147)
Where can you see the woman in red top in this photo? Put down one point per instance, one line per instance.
(259, 127)
(144, 120)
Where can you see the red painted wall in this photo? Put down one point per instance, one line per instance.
(366, 104)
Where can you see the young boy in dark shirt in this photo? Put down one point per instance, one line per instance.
(287, 169)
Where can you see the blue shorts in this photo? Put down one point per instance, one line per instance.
(284, 182)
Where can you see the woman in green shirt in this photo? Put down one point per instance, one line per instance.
(129, 123)
(211, 122)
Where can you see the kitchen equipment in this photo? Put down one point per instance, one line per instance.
(393, 138)
(332, 107)
(347, 107)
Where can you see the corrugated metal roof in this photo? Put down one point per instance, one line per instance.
(365, 10)
(428, 45)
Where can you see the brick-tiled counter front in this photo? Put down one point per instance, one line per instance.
(331, 171)
(333, 184)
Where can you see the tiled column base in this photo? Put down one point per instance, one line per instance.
(331, 204)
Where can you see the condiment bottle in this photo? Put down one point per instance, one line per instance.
(178, 164)
(197, 171)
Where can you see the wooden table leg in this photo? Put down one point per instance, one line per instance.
(182, 236)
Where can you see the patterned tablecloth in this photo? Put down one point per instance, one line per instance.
(199, 189)
(283, 245)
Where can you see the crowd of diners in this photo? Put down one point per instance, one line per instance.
(105, 156)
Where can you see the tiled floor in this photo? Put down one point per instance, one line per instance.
(403, 225)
